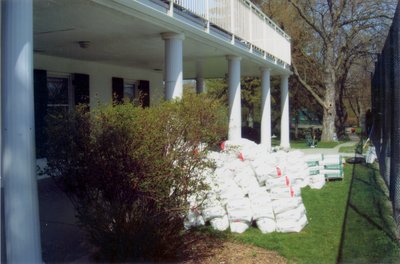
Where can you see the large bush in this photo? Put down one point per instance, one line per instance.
(129, 171)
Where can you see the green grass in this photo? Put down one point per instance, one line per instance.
(349, 149)
(369, 235)
(301, 144)
(319, 241)
(352, 149)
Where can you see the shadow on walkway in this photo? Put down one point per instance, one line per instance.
(62, 239)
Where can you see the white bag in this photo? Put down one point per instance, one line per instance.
(283, 205)
(294, 214)
(371, 155)
(263, 172)
(210, 213)
(238, 226)
(288, 225)
(246, 180)
(317, 181)
(313, 157)
(193, 219)
(220, 223)
(239, 210)
(284, 192)
(230, 192)
(266, 225)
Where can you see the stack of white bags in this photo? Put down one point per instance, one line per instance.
(251, 185)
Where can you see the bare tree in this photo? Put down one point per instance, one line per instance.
(358, 90)
(328, 38)
(346, 30)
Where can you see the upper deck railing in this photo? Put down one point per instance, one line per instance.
(245, 21)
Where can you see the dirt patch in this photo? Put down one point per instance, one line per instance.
(216, 251)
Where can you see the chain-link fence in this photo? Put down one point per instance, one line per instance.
(385, 93)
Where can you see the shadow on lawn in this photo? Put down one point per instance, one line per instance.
(369, 231)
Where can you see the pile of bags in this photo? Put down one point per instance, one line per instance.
(253, 186)
(324, 167)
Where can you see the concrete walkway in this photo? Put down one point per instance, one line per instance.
(62, 239)
(354, 139)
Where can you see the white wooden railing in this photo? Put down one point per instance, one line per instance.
(244, 20)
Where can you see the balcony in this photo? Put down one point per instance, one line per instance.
(238, 21)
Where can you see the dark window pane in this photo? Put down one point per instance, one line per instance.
(58, 90)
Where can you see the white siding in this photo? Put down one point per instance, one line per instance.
(100, 76)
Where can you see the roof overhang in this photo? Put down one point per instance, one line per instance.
(128, 33)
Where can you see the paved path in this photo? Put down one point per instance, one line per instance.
(62, 239)
(353, 142)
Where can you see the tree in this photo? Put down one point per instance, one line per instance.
(358, 90)
(328, 37)
(250, 99)
(346, 30)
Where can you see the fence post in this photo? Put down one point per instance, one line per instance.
(395, 141)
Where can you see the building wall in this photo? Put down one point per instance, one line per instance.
(101, 75)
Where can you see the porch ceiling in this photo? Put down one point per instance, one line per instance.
(121, 39)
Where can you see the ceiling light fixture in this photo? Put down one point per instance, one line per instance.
(84, 44)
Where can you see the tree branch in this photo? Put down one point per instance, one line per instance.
(308, 21)
(307, 86)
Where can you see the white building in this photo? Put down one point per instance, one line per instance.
(86, 50)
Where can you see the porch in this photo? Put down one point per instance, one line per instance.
(103, 47)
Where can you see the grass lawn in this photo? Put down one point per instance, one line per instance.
(357, 147)
(301, 144)
(349, 149)
(320, 239)
(367, 237)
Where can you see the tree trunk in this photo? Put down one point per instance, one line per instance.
(361, 119)
(341, 111)
(328, 123)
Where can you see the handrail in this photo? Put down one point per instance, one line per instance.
(243, 19)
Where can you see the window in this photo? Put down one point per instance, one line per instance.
(60, 94)
(130, 89)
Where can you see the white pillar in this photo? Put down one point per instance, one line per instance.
(200, 85)
(285, 121)
(18, 153)
(266, 107)
(173, 65)
(235, 112)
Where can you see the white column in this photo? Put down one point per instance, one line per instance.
(18, 153)
(285, 121)
(235, 112)
(266, 107)
(173, 65)
(233, 31)
(200, 85)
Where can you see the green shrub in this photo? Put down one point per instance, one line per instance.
(129, 172)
